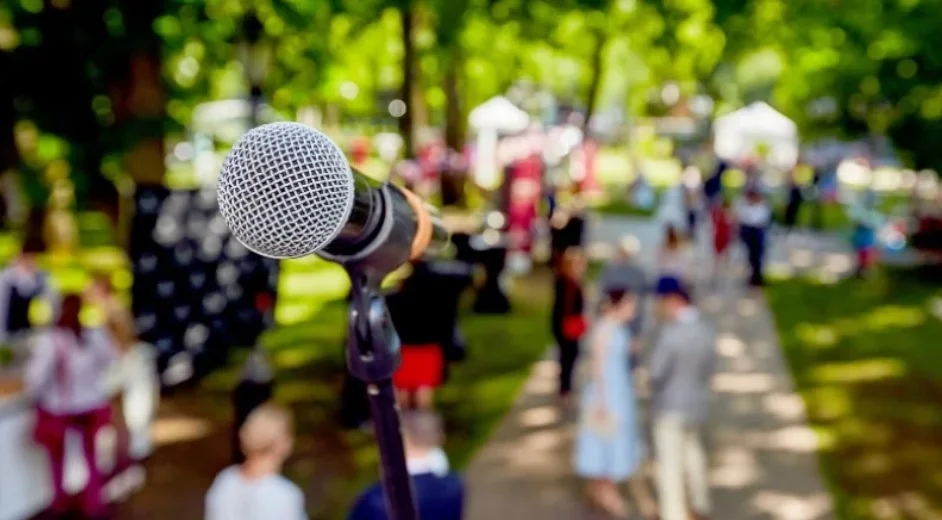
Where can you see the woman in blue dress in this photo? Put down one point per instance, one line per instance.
(609, 449)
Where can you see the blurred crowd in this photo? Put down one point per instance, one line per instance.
(69, 370)
(645, 349)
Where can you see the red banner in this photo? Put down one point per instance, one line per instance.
(525, 190)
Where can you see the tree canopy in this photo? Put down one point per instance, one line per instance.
(88, 81)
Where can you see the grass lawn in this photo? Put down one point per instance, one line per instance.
(867, 359)
(624, 208)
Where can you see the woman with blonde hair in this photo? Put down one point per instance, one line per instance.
(568, 322)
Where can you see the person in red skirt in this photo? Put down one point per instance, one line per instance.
(419, 375)
(416, 314)
(722, 219)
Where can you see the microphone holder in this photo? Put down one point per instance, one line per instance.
(373, 348)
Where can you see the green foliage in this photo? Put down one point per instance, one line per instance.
(873, 66)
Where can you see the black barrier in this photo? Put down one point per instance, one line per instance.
(196, 290)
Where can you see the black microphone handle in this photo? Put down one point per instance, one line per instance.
(365, 222)
(379, 234)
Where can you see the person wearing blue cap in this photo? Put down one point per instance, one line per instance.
(680, 369)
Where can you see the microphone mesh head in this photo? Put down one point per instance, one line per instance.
(285, 190)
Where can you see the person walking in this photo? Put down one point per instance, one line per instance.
(439, 492)
(723, 229)
(865, 221)
(680, 369)
(66, 374)
(675, 259)
(568, 321)
(609, 449)
(793, 204)
(692, 201)
(22, 282)
(713, 186)
(626, 273)
(255, 489)
(567, 230)
(754, 218)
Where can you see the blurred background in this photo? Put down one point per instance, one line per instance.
(115, 116)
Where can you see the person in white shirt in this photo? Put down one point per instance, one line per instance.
(255, 489)
(66, 376)
(754, 217)
(439, 493)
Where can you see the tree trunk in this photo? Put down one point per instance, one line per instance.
(9, 154)
(139, 103)
(598, 63)
(406, 127)
(452, 180)
(454, 118)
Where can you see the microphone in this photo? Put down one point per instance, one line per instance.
(286, 191)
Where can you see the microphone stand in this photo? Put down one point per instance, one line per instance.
(373, 356)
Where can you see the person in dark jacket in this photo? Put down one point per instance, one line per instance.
(439, 493)
(20, 284)
(754, 218)
(425, 313)
(713, 187)
(567, 230)
(793, 204)
(568, 309)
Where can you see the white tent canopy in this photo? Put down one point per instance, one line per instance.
(496, 115)
(738, 135)
(499, 114)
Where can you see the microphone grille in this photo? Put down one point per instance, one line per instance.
(285, 190)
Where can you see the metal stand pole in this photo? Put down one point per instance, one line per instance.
(373, 356)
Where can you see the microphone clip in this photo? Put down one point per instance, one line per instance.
(373, 344)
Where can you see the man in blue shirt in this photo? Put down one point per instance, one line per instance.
(439, 493)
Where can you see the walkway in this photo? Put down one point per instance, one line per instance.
(763, 461)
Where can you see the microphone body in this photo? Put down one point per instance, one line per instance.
(387, 227)
(287, 191)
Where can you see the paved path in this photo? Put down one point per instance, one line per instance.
(763, 464)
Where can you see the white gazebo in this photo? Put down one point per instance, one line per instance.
(738, 136)
(495, 116)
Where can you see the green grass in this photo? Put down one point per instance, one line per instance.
(625, 208)
(867, 359)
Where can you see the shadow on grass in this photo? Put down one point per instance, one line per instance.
(866, 357)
